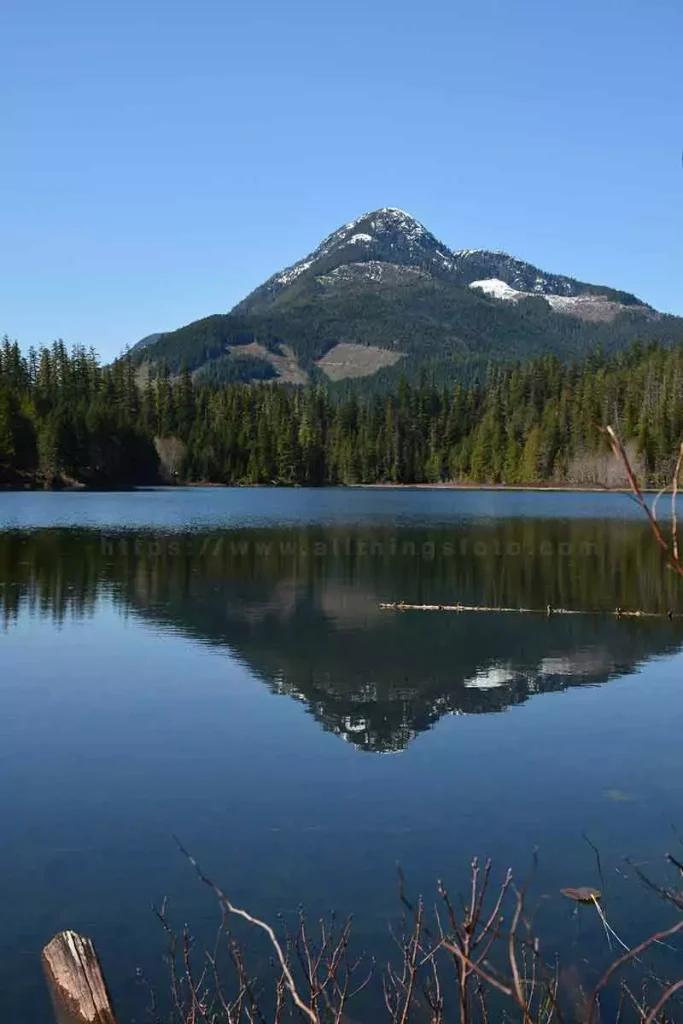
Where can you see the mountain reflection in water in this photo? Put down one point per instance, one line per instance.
(300, 608)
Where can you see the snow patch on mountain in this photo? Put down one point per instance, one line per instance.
(595, 308)
(498, 290)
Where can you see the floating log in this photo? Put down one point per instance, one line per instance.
(618, 613)
(74, 977)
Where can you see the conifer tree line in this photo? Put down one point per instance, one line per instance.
(63, 414)
(65, 417)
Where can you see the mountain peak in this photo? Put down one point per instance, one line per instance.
(384, 212)
(386, 235)
(389, 221)
(390, 216)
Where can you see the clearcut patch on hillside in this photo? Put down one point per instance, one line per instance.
(286, 365)
(349, 360)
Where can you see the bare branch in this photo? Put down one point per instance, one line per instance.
(625, 958)
(258, 923)
(657, 1008)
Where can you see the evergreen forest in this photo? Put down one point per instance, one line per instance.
(66, 419)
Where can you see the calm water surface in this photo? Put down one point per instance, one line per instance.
(214, 664)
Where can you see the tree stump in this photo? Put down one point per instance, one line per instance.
(74, 977)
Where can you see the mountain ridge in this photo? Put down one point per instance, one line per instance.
(388, 224)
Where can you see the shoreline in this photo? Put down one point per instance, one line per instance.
(555, 488)
(76, 487)
(60, 485)
(449, 486)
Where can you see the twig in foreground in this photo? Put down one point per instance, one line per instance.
(258, 923)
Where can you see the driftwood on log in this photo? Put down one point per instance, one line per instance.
(74, 977)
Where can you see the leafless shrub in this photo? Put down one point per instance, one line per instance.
(468, 959)
(598, 469)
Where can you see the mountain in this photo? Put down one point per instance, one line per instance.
(382, 296)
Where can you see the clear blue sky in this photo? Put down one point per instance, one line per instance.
(160, 159)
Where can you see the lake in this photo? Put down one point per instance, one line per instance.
(214, 664)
